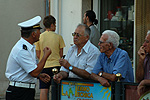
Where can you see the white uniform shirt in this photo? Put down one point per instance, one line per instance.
(86, 59)
(21, 61)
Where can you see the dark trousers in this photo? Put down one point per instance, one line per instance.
(48, 71)
(18, 93)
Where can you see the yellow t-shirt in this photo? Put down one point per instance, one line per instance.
(54, 42)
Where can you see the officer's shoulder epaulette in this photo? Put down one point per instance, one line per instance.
(24, 47)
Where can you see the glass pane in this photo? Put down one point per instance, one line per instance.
(118, 15)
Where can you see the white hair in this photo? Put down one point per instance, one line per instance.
(87, 30)
(148, 32)
(113, 37)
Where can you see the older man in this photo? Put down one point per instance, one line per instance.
(80, 58)
(143, 69)
(111, 61)
(22, 69)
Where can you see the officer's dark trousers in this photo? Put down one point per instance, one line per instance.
(17, 93)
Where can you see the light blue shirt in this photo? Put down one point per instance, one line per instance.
(21, 62)
(119, 62)
(86, 59)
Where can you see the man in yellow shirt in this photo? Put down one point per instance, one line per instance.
(54, 41)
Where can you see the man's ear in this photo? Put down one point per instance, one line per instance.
(33, 34)
(87, 18)
(52, 25)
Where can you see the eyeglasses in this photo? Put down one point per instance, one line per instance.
(146, 41)
(77, 34)
(102, 42)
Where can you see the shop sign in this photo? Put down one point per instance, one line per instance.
(73, 90)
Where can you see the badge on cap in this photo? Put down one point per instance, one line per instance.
(33, 23)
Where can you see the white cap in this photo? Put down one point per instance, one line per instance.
(33, 23)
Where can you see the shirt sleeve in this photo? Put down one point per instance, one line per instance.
(26, 61)
(122, 64)
(98, 67)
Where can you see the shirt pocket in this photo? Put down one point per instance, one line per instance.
(82, 64)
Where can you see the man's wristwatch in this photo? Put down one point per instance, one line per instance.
(70, 68)
(100, 74)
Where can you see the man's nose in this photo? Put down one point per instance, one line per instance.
(75, 36)
(144, 43)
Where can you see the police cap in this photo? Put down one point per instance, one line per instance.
(33, 23)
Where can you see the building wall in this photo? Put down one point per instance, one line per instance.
(11, 13)
(86, 5)
(70, 18)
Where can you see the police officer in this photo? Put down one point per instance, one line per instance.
(22, 70)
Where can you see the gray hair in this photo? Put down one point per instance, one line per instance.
(113, 37)
(148, 32)
(87, 30)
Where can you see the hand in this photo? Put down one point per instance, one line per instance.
(142, 53)
(140, 90)
(47, 51)
(104, 82)
(65, 63)
(57, 78)
(141, 87)
(44, 77)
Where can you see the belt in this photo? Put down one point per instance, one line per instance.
(23, 85)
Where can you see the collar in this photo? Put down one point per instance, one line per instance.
(113, 55)
(85, 47)
(91, 25)
(29, 46)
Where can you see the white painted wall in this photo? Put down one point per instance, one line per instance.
(11, 13)
(67, 19)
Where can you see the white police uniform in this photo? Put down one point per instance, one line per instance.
(22, 59)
